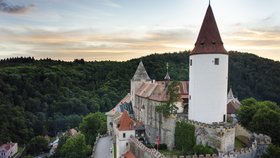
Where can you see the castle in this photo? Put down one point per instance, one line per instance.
(204, 101)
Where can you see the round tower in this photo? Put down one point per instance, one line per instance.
(208, 74)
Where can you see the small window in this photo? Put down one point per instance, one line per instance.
(191, 62)
(123, 135)
(202, 44)
(126, 144)
(216, 61)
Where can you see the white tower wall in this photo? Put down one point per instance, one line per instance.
(208, 87)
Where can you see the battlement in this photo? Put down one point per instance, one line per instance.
(203, 156)
(217, 125)
(140, 150)
(261, 138)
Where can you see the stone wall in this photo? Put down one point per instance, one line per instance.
(141, 151)
(155, 124)
(242, 134)
(218, 135)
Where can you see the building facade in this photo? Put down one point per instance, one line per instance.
(8, 150)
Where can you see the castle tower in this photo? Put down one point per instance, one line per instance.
(208, 74)
(139, 77)
(125, 129)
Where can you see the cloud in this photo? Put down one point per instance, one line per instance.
(90, 43)
(261, 41)
(14, 9)
(110, 3)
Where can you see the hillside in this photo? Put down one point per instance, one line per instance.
(46, 96)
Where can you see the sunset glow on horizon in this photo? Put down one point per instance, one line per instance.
(125, 29)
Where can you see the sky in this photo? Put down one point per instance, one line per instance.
(125, 29)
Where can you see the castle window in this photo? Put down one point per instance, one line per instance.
(216, 61)
(123, 135)
(191, 62)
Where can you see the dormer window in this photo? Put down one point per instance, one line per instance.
(202, 44)
(213, 42)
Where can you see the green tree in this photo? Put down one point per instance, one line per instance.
(173, 95)
(261, 117)
(184, 136)
(61, 142)
(272, 151)
(201, 149)
(37, 145)
(75, 147)
(93, 124)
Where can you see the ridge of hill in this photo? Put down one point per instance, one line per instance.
(39, 97)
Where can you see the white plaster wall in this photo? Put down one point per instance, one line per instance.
(121, 142)
(208, 88)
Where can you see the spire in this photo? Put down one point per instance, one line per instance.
(141, 73)
(230, 94)
(209, 40)
(167, 77)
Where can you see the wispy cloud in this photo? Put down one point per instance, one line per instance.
(93, 44)
(87, 42)
(14, 9)
(110, 3)
(261, 41)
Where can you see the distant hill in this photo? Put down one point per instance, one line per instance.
(46, 96)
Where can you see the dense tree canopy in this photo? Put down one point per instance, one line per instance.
(37, 145)
(261, 117)
(75, 147)
(39, 97)
(272, 152)
(93, 124)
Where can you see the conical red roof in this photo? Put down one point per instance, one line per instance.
(209, 40)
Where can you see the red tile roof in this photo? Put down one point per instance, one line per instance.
(125, 123)
(129, 154)
(209, 40)
(157, 91)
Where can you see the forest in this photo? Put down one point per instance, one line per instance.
(43, 97)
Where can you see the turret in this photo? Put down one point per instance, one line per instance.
(139, 78)
(208, 74)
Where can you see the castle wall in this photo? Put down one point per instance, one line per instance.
(219, 136)
(141, 151)
(155, 124)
